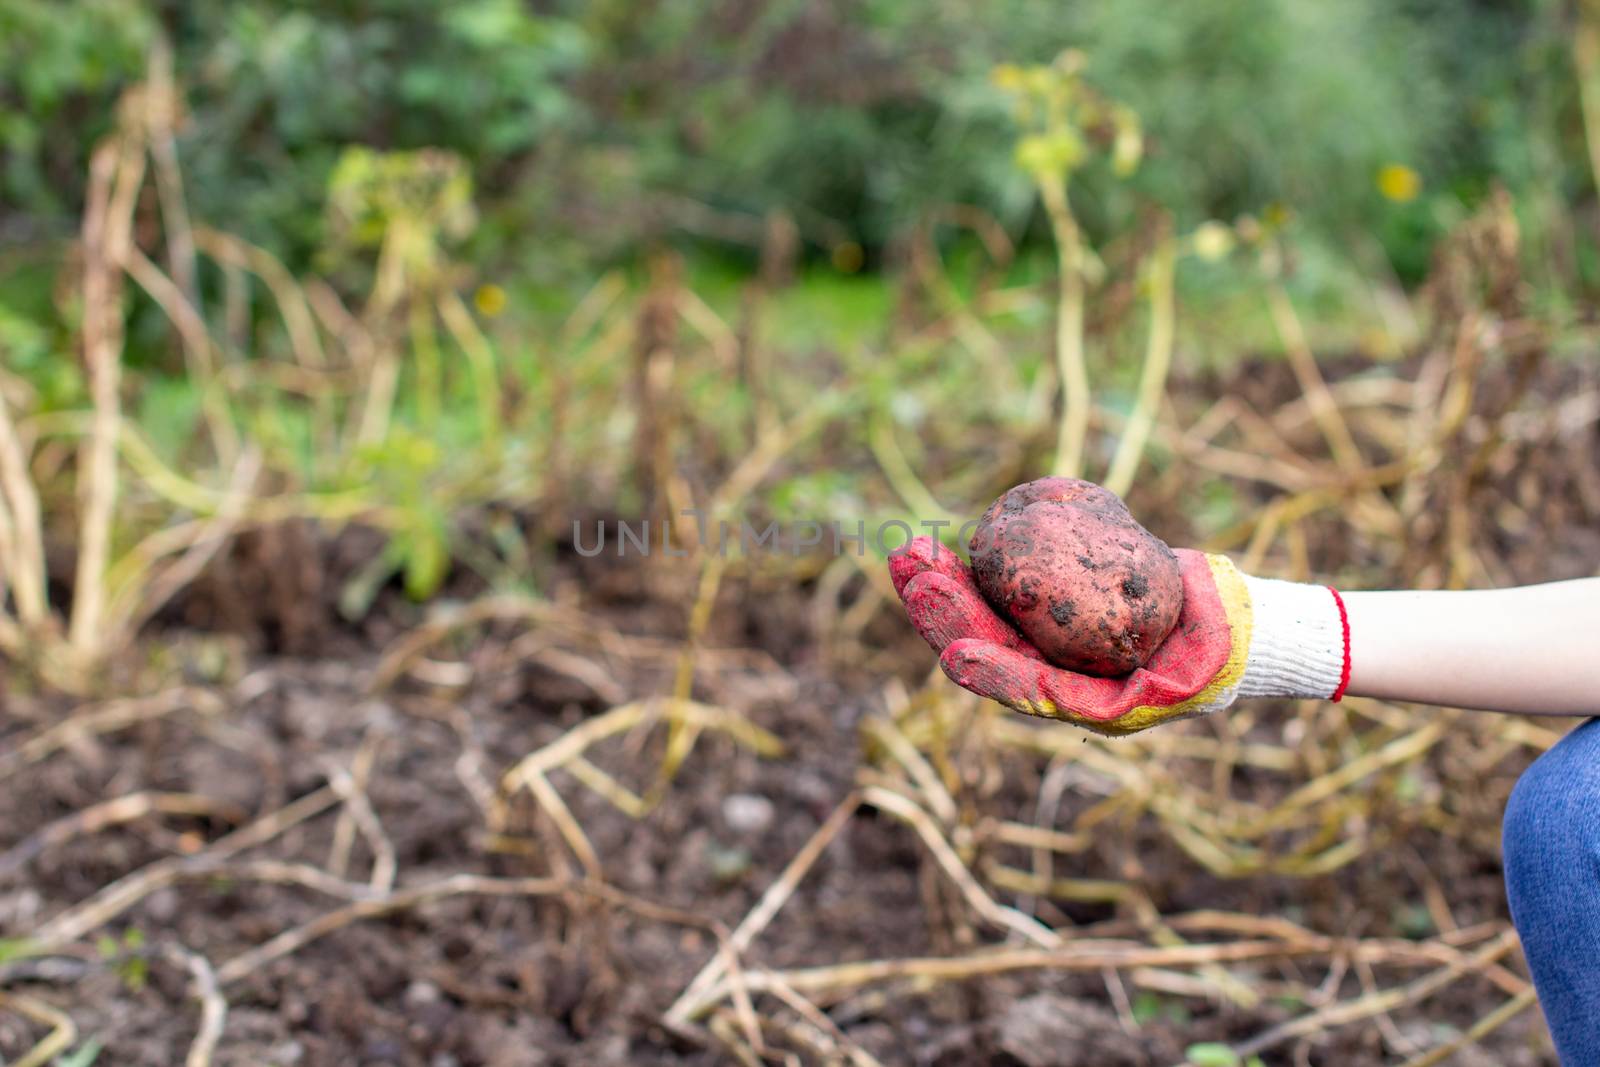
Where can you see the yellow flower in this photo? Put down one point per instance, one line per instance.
(1049, 156)
(490, 299)
(1398, 182)
(1212, 240)
(1007, 76)
(1128, 147)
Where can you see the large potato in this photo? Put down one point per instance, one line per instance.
(1065, 561)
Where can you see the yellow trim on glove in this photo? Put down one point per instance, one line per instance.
(1217, 693)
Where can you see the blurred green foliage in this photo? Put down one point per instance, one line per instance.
(61, 66)
(592, 126)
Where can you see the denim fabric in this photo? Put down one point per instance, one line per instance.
(1551, 840)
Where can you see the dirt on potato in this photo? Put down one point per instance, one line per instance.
(1066, 562)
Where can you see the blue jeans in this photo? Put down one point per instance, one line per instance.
(1552, 858)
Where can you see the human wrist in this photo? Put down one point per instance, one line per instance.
(1299, 641)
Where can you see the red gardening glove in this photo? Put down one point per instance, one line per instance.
(1197, 668)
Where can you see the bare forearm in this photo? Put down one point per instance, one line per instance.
(1533, 650)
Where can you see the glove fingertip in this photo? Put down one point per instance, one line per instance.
(975, 665)
(922, 555)
(914, 558)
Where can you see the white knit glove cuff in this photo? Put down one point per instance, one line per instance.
(1299, 641)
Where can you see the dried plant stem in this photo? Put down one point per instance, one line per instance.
(358, 810)
(1153, 377)
(771, 902)
(1324, 408)
(399, 656)
(977, 898)
(116, 898)
(162, 106)
(576, 740)
(1364, 1007)
(10, 634)
(140, 594)
(771, 448)
(213, 1007)
(936, 797)
(344, 831)
(567, 825)
(684, 733)
(531, 772)
(722, 1027)
(62, 1030)
(1073, 430)
(377, 403)
(115, 173)
(109, 813)
(200, 350)
(1077, 956)
(23, 563)
(571, 342)
(11, 639)
(1478, 1030)
(480, 358)
(743, 1008)
(709, 325)
(106, 718)
(897, 469)
(620, 796)
(927, 266)
(833, 1038)
(289, 941)
(304, 340)
(429, 366)
(176, 489)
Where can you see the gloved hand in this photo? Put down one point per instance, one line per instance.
(1235, 636)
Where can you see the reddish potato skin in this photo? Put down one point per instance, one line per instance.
(1065, 561)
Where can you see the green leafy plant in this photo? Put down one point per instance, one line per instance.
(410, 207)
(125, 956)
(1064, 120)
(405, 469)
(1212, 1054)
(85, 1055)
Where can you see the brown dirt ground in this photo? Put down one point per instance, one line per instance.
(566, 981)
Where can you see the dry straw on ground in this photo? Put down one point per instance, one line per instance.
(1018, 828)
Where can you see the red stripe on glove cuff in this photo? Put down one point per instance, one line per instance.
(1344, 625)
